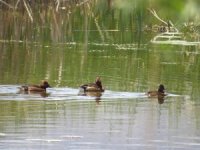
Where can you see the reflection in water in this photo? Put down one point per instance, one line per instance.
(115, 124)
(123, 120)
(161, 99)
(42, 94)
(96, 95)
(92, 94)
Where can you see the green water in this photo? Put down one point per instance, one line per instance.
(69, 49)
(122, 67)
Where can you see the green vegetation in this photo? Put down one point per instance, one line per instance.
(55, 21)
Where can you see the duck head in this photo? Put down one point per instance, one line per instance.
(45, 85)
(98, 83)
(161, 88)
(98, 79)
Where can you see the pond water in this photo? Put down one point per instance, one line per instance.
(71, 48)
(122, 118)
(118, 120)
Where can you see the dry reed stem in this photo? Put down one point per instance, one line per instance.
(6, 4)
(28, 9)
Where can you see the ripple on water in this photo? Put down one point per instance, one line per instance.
(11, 92)
(2, 134)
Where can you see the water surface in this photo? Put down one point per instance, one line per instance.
(118, 120)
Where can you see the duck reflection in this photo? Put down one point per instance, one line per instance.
(161, 99)
(94, 94)
(42, 94)
(97, 95)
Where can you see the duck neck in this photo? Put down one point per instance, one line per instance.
(98, 83)
(160, 91)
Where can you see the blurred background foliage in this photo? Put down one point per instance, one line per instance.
(55, 17)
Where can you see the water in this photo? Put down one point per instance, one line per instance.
(118, 120)
(123, 117)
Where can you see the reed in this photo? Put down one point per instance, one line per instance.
(30, 6)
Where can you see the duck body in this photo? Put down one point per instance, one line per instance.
(35, 88)
(159, 93)
(155, 94)
(93, 87)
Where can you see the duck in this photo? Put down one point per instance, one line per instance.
(159, 93)
(93, 87)
(36, 88)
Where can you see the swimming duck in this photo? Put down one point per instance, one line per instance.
(35, 88)
(159, 93)
(93, 87)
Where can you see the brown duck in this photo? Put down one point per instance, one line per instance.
(35, 88)
(93, 87)
(159, 93)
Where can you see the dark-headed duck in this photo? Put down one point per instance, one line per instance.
(93, 87)
(36, 88)
(159, 93)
